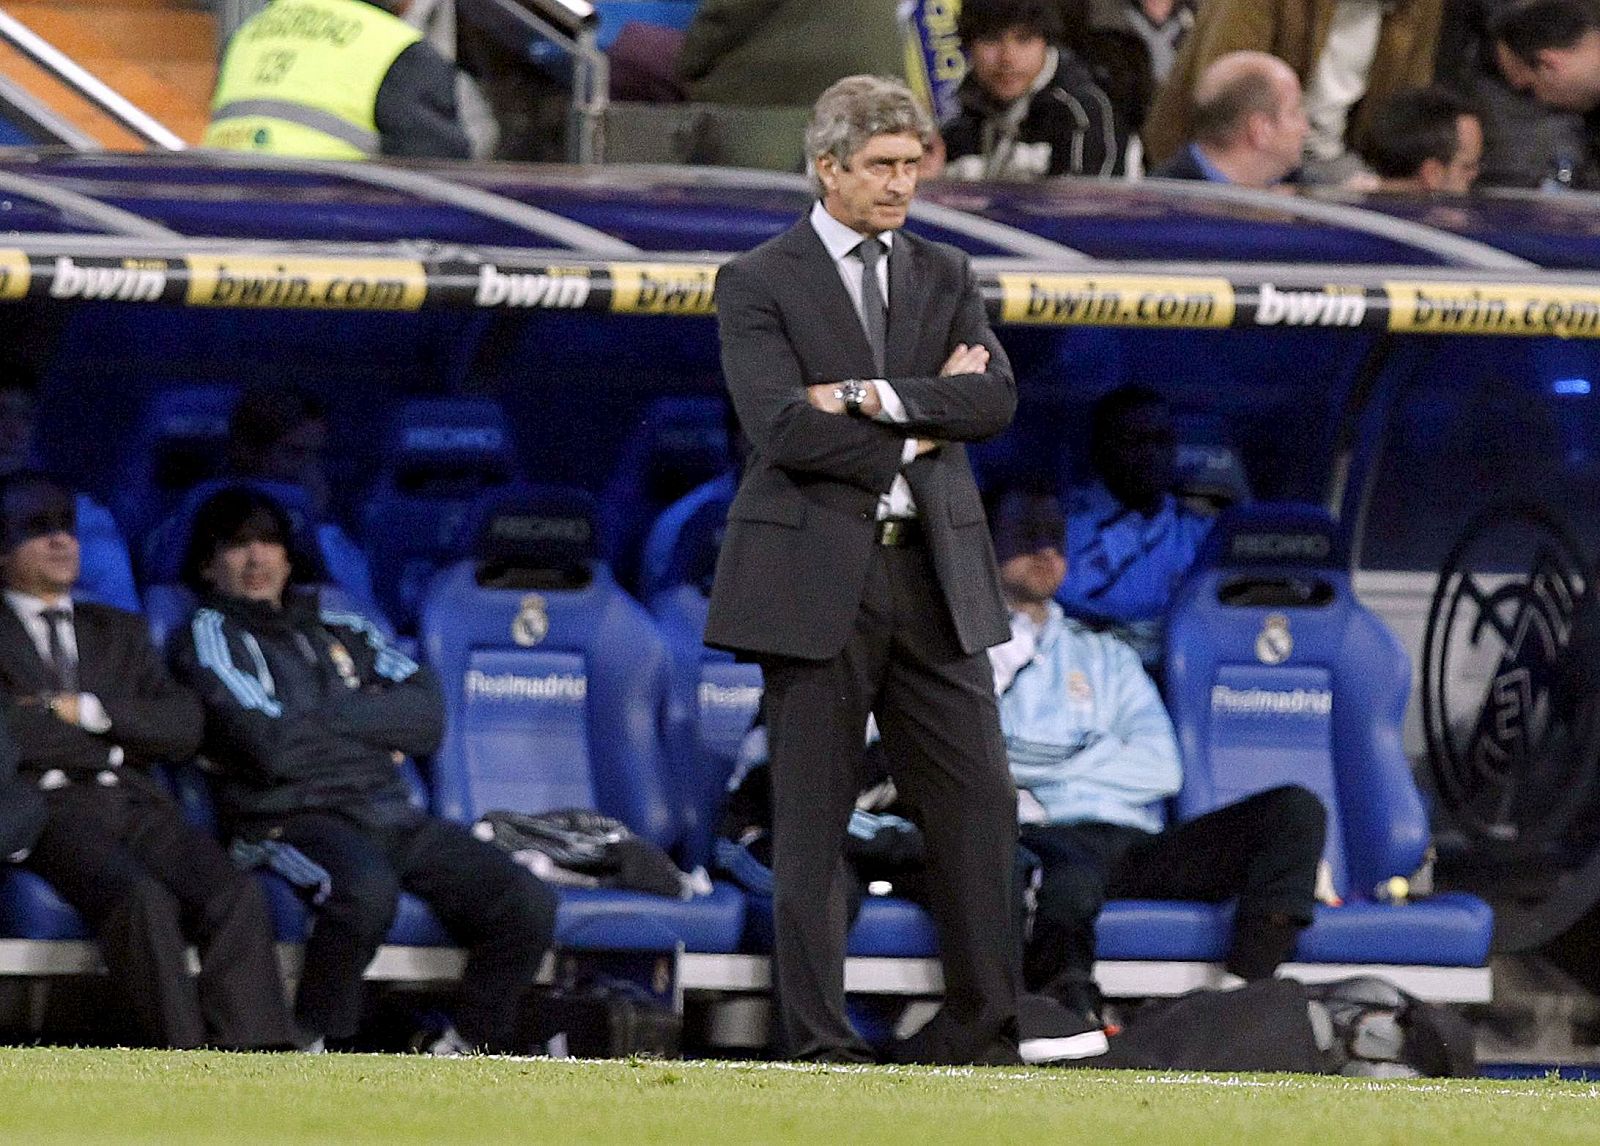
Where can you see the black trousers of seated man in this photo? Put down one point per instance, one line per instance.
(936, 711)
(498, 910)
(1264, 850)
(148, 883)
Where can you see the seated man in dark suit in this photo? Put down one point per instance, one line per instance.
(308, 715)
(91, 708)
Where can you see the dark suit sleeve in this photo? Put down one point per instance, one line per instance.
(152, 715)
(416, 107)
(962, 407)
(768, 387)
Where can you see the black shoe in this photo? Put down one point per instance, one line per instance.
(1053, 1033)
(1081, 997)
(943, 1043)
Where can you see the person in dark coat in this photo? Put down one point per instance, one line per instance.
(857, 571)
(91, 708)
(1029, 108)
(309, 715)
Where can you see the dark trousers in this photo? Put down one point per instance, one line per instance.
(1263, 849)
(495, 908)
(147, 883)
(941, 735)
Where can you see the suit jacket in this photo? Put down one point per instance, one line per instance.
(152, 717)
(801, 530)
(1296, 31)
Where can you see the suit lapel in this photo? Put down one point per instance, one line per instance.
(905, 309)
(19, 656)
(820, 276)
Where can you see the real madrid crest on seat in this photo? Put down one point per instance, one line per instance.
(532, 622)
(1274, 644)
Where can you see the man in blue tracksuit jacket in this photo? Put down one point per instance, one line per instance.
(1094, 758)
(1129, 541)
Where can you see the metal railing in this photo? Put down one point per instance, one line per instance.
(92, 89)
(572, 27)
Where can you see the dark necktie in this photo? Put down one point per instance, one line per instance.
(874, 311)
(62, 664)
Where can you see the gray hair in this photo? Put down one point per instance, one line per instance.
(854, 110)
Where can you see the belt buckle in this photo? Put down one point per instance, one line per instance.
(894, 532)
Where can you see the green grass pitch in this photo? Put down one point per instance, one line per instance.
(93, 1096)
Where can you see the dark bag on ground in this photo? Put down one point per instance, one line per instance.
(589, 844)
(1264, 1025)
(599, 1024)
(1363, 1026)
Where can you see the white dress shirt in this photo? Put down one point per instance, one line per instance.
(841, 242)
(30, 611)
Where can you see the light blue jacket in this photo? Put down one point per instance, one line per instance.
(1086, 733)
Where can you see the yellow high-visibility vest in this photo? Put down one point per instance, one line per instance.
(302, 78)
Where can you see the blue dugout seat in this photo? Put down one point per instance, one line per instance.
(440, 454)
(559, 694)
(179, 440)
(681, 443)
(720, 694)
(1276, 674)
(106, 573)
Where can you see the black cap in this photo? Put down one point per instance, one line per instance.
(1026, 523)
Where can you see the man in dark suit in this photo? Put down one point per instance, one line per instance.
(857, 569)
(90, 708)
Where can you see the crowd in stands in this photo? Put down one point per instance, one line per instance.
(1256, 92)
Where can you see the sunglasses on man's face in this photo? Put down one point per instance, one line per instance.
(43, 523)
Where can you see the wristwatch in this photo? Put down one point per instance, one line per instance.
(852, 392)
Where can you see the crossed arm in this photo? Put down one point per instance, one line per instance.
(796, 423)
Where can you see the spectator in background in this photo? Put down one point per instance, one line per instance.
(379, 89)
(1129, 541)
(91, 709)
(1525, 143)
(1249, 124)
(1425, 140)
(1028, 108)
(1095, 759)
(1349, 56)
(1162, 26)
(279, 432)
(309, 714)
(1551, 48)
(106, 574)
(786, 52)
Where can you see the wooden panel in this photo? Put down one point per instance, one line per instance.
(158, 54)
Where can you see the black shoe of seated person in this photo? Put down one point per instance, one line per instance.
(1082, 998)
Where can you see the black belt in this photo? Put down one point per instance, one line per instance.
(898, 532)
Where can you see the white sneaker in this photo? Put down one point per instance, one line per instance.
(1052, 1033)
(450, 1044)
